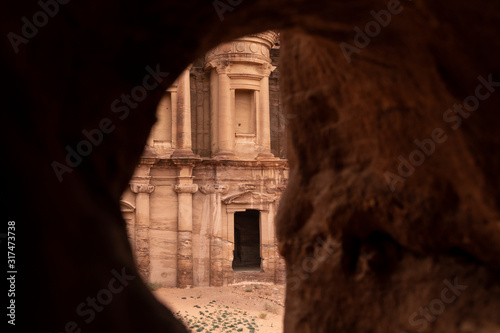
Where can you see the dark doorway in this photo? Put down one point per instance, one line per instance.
(246, 240)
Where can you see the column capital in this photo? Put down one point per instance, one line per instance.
(186, 188)
(266, 69)
(183, 146)
(221, 66)
(141, 188)
(173, 87)
(214, 188)
(184, 156)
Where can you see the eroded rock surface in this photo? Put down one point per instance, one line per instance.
(433, 220)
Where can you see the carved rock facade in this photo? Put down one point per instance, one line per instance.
(209, 160)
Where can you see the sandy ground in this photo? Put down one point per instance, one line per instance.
(239, 308)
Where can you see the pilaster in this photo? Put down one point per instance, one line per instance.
(183, 146)
(216, 236)
(185, 189)
(142, 239)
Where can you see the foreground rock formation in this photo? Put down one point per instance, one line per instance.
(390, 221)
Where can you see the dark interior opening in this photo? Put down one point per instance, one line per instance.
(246, 254)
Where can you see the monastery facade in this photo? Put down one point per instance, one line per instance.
(201, 205)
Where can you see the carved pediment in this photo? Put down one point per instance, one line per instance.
(126, 207)
(249, 197)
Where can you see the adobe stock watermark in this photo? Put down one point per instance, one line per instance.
(310, 264)
(454, 117)
(436, 307)
(30, 28)
(94, 137)
(372, 29)
(88, 309)
(221, 7)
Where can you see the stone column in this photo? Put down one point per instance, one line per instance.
(226, 117)
(214, 114)
(228, 243)
(183, 126)
(263, 118)
(142, 241)
(276, 263)
(216, 259)
(173, 98)
(268, 243)
(185, 189)
(243, 64)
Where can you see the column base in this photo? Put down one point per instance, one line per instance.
(224, 155)
(184, 153)
(266, 156)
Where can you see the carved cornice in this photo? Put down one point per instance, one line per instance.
(141, 188)
(247, 76)
(269, 36)
(213, 188)
(186, 161)
(249, 197)
(254, 48)
(186, 188)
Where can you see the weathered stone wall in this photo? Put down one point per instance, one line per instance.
(383, 169)
(163, 226)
